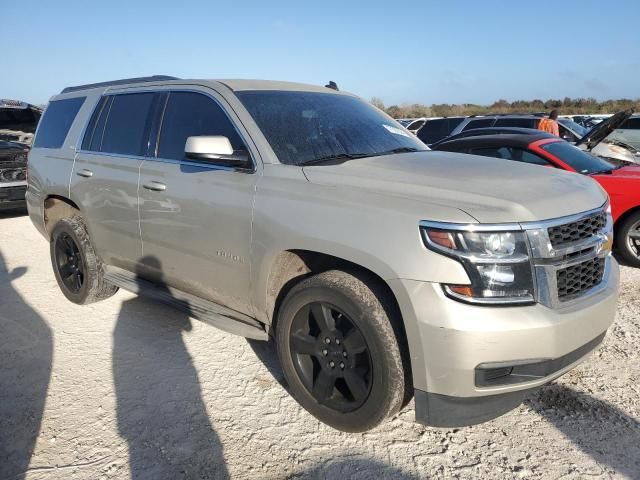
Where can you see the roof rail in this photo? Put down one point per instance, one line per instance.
(153, 78)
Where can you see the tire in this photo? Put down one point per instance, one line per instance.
(347, 368)
(78, 271)
(627, 247)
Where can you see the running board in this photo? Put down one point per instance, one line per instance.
(196, 307)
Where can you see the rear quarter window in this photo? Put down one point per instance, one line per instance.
(56, 122)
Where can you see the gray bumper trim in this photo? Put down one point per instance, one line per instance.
(444, 411)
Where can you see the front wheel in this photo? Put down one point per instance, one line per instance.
(339, 352)
(628, 240)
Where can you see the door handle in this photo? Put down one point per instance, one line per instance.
(155, 186)
(84, 173)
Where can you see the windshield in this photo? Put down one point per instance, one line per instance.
(303, 127)
(574, 127)
(579, 160)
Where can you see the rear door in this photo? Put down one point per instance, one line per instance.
(104, 182)
(196, 216)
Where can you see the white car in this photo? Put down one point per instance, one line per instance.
(628, 133)
(606, 145)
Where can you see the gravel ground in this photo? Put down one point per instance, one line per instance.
(127, 388)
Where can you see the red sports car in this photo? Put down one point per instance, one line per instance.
(621, 181)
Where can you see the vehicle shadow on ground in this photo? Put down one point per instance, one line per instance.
(268, 355)
(607, 434)
(160, 410)
(26, 355)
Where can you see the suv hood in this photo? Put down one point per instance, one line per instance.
(603, 129)
(490, 190)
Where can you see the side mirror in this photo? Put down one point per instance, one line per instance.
(214, 149)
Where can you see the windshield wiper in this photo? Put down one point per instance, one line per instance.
(336, 157)
(601, 172)
(400, 150)
(351, 156)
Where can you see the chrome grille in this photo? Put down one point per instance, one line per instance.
(575, 231)
(577, 279)
(571, 256)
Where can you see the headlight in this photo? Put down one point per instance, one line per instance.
(497, 263)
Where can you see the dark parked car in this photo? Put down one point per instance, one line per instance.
(13, 175)
(18, 121)
(437, 129)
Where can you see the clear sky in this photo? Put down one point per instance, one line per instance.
(413, 51)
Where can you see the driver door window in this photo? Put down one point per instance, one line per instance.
(512, 153)
(191, 114)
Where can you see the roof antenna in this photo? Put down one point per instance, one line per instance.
(332, 85)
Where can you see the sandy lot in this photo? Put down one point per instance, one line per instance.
(127, 388)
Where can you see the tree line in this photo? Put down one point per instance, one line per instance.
(568, 106)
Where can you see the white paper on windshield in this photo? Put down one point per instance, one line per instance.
(396, 131)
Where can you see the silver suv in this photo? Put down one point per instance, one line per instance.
(277, 210)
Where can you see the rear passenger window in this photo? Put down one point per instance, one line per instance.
(127, 124)
(190, 114)
(56, 122)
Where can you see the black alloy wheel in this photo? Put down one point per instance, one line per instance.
(69, 262)
(78, 270)
(331, 357)
(340, 355)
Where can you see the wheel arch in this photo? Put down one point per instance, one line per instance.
(292, 266)
(621, 218)
(55, 208)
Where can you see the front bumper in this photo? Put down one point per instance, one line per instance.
(12, 196)
(450, 342)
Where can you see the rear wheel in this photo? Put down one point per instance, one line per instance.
(78, 270)
(628, 240)
(339, 353)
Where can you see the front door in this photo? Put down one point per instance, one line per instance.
(196, 217)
